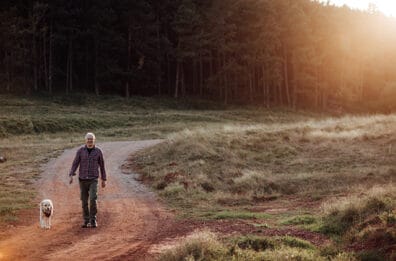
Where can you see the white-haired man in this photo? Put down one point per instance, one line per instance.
(90, 159)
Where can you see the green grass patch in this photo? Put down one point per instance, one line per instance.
(296, 242)
(229, 214)
(300, 220)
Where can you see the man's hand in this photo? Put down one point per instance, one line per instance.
(71, 180)
(103, 183)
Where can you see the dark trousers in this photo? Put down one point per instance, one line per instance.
(89, 192)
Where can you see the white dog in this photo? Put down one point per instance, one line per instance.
(46, 212)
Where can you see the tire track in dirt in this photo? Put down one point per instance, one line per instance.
(129, 215)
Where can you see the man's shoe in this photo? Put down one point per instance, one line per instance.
(85, 225)
(94, 224)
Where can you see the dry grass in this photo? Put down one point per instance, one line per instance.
(315, 159)
(237, 167)
(202, 245)
(205, 245)
(25, 156)
(365, 220)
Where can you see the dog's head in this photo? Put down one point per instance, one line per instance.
(46, 207)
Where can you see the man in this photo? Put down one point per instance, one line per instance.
(90, 159)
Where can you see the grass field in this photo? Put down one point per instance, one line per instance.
(331, 176)
(276, 169)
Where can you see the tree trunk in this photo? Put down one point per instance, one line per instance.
(68, 67)
(35, 63)
(225, 81)
(96, 84)
(45, 62)
(8, 71)
(210, 64)
(295, 83)
(169, 73)
(25, 71)
(250, 85)
(177, 79)
(200, 76)
(361, 81)
(286, 76)
(86, 63)
(317, 87)
(50, 65)
(127, 94)
(220, 79)
(183, 83)
(194, 76)
(342, 74)
(160, 57)
(267, 89)
(127, 90)
(264, 86)
(71, 66)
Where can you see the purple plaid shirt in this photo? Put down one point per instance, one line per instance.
(89, 164)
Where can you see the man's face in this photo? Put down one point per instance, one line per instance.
(90, 142)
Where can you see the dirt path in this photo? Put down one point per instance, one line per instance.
(129, 215)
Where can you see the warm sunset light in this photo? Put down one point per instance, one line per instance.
(386, 7)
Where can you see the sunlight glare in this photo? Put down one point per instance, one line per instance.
(386, 7)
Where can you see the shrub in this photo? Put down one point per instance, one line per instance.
(255, 243)
(199, 246)
(295, 254)
(296, 242)
(300, 220)
(173, 190)
(342, 215)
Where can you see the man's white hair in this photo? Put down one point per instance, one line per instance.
(90, 135)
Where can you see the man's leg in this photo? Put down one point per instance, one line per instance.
(84, 191)
(93, 196)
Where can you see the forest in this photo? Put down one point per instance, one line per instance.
(299, 54)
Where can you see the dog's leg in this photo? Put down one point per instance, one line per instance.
(41, 217)
(50, 217)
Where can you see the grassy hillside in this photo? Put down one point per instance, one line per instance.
(272, 170)
(333, 176)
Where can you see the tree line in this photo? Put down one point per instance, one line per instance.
(294, 53)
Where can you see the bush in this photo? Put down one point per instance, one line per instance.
(255, 243)
(300, 220)
(296, 242)
(199, 246)
(15, 126)
(173, 190)
(340, 216)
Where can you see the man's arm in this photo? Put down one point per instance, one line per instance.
(103, 175)
(74, 167)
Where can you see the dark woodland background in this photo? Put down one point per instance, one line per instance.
(290, 53)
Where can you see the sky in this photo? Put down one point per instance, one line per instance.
(388, 7)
